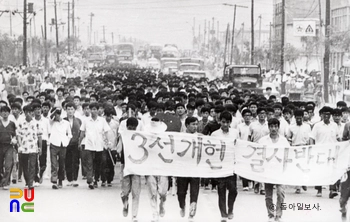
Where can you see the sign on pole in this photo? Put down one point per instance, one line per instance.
(304, 27)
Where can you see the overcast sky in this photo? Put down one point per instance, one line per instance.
(155, 21)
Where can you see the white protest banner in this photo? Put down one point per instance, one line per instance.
(177, 154)
(302, 165)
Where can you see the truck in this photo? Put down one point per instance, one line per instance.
(193, 67)
(95, 59)
(124, 52)
(169, 65)
(244, 77)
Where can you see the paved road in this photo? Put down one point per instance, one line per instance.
(104, 204)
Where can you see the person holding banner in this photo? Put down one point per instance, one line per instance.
(183, 182)
(226, 183)
(157, 184)
(322, 133)
(299, 135)
(257, 130)
(275, 139)
(243, 131)
(130, 183)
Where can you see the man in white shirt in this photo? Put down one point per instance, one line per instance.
(59, 139)
(322, 133)
(44, 127)
(243, 132)
(298, 134)
(226, 183)
(257, 130)
(95, 131)
(276, 139)
(46, 85)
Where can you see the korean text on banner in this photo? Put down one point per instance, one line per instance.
(177, 154)
(303, 165)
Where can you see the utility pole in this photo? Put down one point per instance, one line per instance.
(259, 30)
(282, 40)
(252, 35)
(233, 26)
(242, 36)
(226, 41)
(327, 52)
(24, 32)
(91, 15)
(208, 37)
(73, 26)
(11, 24)
(104, 37)
(68, 24)
(45, 37)
(56, 25)
(270, 45)
(112, 38)
(205, 34)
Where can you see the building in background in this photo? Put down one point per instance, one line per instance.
(302, 51)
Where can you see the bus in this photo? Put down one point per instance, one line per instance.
(155, 50)
(170, 52)
(124, 52)
(244, 77)
(193, 67)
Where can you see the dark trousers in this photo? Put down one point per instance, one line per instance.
(182, 186)
(58, 159)
(72, 162)
(245, 182)
(230, 184)
(333, 187)
(6, 163)
(107, 172)
(345, 191)
(92, 162)
(43, 158)
(20, 167)
(83, 168)
(28, 162)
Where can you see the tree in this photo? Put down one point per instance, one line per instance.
(7, 51)
(291, 54)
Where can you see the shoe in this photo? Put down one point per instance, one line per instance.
(5, 187)
(245, 188)
(36, 184)
(213, 189)
(161, 209)
(126, 210)
(183, 212)
(262, 192)
(75, 184)
(134, 219)
(190, 218)
(14, 181)
(30, 187)
(193, 208)
(297, 191)
(95, 184)
(256, 188)
(60, 184)
(69, 184)
(19, 180)
(278, 219)
(109, 184)
(84, 177)
(319, 193)
(103, 184)
(343, 213)
(230, 216)
(155, 218)
(206, 188)
(223, 219)
(271, 219)
(332, 194)
(54, 186)
(304, 188)
(91, 186)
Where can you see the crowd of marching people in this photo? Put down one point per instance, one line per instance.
(73, 123)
